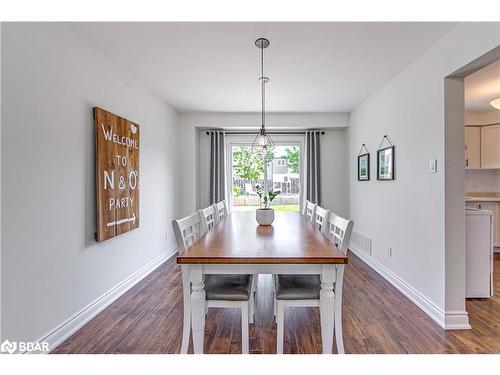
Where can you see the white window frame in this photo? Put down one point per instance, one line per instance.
(247, 140)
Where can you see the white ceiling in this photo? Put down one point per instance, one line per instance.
(482, 87)
(314, 67)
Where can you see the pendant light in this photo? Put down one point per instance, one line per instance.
(495, 103)
(263, 139)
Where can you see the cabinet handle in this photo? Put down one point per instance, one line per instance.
(467, 162)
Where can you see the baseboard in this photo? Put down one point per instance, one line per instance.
(74, 323)
(456, 320)
(448, 321)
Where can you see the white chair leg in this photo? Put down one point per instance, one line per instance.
(275, 303)
(244, 328)
(186, 324)
(251, 308)
(274, 296)
(281, 321)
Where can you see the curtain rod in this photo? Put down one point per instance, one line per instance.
(255, 133)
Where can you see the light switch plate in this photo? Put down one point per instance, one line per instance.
(433, 166)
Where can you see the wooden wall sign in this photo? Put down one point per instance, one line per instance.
(117, 174)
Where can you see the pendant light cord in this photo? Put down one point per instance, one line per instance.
(263, 81)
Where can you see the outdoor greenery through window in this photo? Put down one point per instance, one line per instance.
(283, 176)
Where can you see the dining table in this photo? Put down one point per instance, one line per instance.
(291, 245)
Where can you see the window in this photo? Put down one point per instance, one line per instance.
(247, 172)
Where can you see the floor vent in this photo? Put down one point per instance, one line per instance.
(361, 242)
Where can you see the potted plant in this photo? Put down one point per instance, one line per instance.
(265, 215)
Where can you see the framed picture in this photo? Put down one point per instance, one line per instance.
(364, 167)
(385, 164)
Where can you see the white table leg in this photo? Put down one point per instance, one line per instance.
(244, 328)
(326, 307)
(339, 340)
(186, 299)
(280, 331)
(198, 301)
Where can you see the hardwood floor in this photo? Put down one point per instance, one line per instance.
(377, 318)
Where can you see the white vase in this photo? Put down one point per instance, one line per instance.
(264, 216)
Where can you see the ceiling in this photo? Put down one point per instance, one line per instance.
(482, 87)
(313, 67)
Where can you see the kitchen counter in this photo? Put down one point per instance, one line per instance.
(482, 197)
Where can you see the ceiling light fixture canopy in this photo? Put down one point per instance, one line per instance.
(495, 103)
(263, 139)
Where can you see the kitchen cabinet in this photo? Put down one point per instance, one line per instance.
(495, 208)
(490, 147)
(472, 147)
(478, 254)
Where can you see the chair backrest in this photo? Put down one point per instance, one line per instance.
(338, 230)
(187, 230)
(220, 210)
(208, 217)
(320, 215)
(309, 209)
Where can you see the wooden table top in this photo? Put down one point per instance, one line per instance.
(239, 239)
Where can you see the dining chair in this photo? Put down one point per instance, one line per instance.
(208, 217)
(225, 291)
(304, 290)
(221, 210)
(320, 216)
(308, 211)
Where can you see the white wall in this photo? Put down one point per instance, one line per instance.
(482, 117)
(482, 180)
(51, 265)
(332, 147)
(408, 214)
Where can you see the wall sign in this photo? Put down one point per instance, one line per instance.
(117, 174)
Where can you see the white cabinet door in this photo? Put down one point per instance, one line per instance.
(490, 147)
(472, 147)
(495, 208)
(478, 256)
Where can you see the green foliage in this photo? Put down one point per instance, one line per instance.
(236, 191)
(265, 198)
(272, 195)
(292, 157)
(259, 190)
(247, 163)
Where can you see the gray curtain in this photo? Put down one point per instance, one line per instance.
(312, 167)
(217, 166)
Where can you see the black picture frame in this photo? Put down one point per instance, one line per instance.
(387, 171)
(364, 177)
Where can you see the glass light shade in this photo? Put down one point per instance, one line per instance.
(495, 103)
(263, 140)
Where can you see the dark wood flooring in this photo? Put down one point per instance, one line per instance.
(377, 318)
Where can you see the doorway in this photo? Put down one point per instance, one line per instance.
(455, 191)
